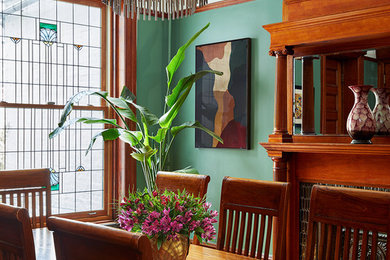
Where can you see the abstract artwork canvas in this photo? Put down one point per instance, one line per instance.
(222, 102)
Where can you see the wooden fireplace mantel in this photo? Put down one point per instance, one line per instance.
(353, 30)
(322, 27)
(327, 148)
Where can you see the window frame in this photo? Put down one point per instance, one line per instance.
(106, 212)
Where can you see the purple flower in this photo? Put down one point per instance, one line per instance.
(155, 214)
(165, 224)
(194, 224)
(176, 226)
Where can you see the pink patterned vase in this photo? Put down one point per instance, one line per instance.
(382, 110)
(360, 122)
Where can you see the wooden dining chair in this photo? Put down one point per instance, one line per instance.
(16, 238)
(193, 183)
(248, 210)
(75, 240)
(343, 221)
(29, 189)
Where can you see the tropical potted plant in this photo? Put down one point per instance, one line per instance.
(168, 219)
(150, 149)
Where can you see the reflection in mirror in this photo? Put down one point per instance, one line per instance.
(322, 100)
(307, 93)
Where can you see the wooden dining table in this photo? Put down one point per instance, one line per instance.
(44, 249)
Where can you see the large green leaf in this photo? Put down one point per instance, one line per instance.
(91, 120)
(61, 127)
(76, 98)
(145, 154)
(131, 137)
(161, 133)
(147, 117)
(185, 83)
(127, 95)
(179, 57)
(127, 113)
(86, 120)
(107, 134)
(177, 129)
(188, 170)
(166, 119)
(118, 102)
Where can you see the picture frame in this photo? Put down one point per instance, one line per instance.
(222, 103)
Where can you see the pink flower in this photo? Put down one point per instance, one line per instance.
(155, 193)
(207, 205)
(213, 214)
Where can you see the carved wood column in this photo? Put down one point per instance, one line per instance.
(307, 96)
(280, 174)
(280, 133)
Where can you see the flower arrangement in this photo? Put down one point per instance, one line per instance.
(166, 215)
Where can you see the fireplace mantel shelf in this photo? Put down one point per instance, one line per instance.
(328, 148)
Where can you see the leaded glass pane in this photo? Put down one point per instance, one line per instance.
(46, 56)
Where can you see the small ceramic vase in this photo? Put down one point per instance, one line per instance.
(360, 122)
(382, 110)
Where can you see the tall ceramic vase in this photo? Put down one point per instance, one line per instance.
(360, 122)
(382, 110)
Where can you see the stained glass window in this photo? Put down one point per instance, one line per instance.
(50, 50)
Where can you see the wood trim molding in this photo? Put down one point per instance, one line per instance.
(95, 3)
(220, 5)
(123, 71)
(328, 148)
(328, 31)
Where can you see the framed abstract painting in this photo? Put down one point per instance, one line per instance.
(222, 102)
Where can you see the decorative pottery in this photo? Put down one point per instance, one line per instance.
(382, 110)
(360, 123)
(171, 249)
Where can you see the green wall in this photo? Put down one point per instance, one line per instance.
(228, 23)
(152, 57)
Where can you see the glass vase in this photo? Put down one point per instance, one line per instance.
(382, 110)
(360, 122)
(171, 249)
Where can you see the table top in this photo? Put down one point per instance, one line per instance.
(202, 252)
(44, 249)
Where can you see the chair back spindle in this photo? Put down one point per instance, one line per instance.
(29, 189)
(346, 223)
(248, 212)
